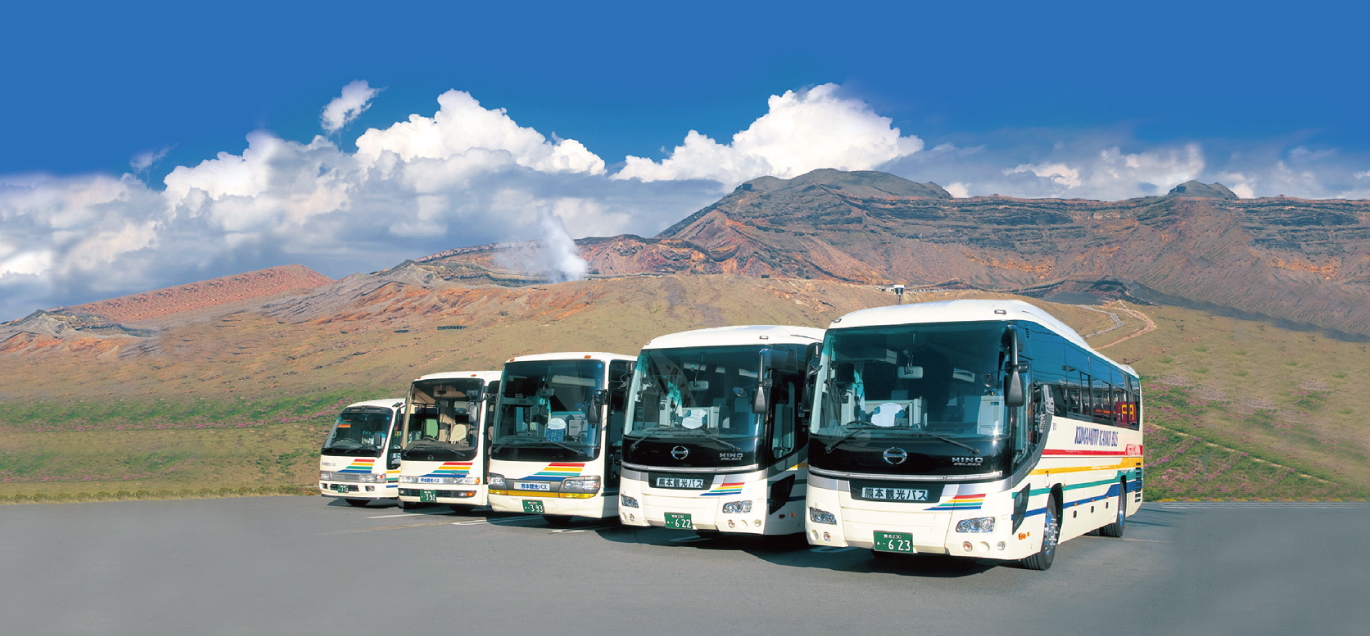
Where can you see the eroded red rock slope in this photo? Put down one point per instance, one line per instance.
(204, 294)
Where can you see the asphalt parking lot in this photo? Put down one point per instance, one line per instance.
(305, 565)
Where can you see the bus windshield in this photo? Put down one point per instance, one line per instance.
(693, 393)
(545, 411)
(359, 432)
(444, 419)
(935, 383)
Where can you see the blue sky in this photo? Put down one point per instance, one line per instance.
(105, 103)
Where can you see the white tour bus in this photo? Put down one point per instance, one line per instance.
(446, 438)
(558, 435)
(979, 428)
(353, 463)
(718, 437)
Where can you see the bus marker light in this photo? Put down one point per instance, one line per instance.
(1001, 546)
(756, 523)
(731, 523)
(827, 537)
(984, 547)
(1023, 535)
(967, 546)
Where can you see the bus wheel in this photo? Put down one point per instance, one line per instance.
(357, 502)
(1115, 529)
(1051, 535)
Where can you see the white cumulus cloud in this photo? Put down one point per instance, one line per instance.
(802, 131)
(355, 99)
(461, 125)
(1105, 174)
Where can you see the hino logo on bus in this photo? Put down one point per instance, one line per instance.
(967, 461)
(730, 457)
(895, 455)
(680, 452)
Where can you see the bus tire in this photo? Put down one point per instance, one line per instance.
(1051, 534)
(356, 502)
(1116, 528)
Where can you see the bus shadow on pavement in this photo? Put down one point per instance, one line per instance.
(795, 551)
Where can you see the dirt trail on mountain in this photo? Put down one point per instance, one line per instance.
(1150, 326)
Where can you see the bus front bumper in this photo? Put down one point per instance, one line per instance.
(594, 507)
(446, 494)
(834, 519)
(357, 491)
(704, 513)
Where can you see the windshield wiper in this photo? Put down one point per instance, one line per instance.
(649, 433)
(564, 445)
(718, 439)
(973, 450)
(508, 439)
(848, 433)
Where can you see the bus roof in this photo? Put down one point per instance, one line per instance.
(970, 310)
(737, 336)
(384, 404)
(571, 355)
(488, 376)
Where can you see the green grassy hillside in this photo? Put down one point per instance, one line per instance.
(239, 404)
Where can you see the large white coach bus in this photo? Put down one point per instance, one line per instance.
(718, 436)
(976, 428)
(558, 435)
(446, 438)
(354, 463)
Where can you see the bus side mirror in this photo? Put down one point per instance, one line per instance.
(1013, 390)
(763, 390)
(597, 402)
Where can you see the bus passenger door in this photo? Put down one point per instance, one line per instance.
(620, 376)
(487, 428)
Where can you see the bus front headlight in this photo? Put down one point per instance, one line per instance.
(408, 479)
(822, 516)
(978, 524)
(737, 507)
(626, 501)
(325, 476)
(497, 481)
(584, 485)
(469, 480)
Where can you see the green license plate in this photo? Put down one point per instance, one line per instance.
(534, 507)
(894, 542)
(340, 487)
(428, 496)
(679, 521)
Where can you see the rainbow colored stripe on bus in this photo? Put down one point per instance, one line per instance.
(360, 466)
(725, 489)
(961, 502)
(451, 469)
(556, 471)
